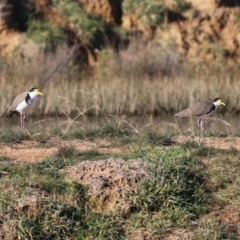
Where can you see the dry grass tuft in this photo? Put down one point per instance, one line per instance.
(143, 79)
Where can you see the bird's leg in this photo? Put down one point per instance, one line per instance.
(202, 126)
(24, 116)
(199, 123)
(21, 120)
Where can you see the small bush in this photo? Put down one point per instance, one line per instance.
(149, 12)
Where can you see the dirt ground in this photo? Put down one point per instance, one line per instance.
(32, 151)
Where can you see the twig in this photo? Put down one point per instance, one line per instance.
(74, 119)
(135, 130)
(220, 120)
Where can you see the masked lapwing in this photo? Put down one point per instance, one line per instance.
(23, 103)
(201, 110)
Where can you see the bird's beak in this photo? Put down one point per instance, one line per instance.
(39, 93)
(222, 103)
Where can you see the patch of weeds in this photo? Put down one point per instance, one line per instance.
(92, 155)
(177, 184)
(216, 134)
(116, 130)
(50, 166)
(42, 138)
(5, 159)
(14, 136)
(233, 151)
(53, 220)
(65, 156)
(67, 152)
(221, 181)
(124, 141)
(57, 220)
(105, 226)
(51, 185)
(157, 224)
(112, 130)
(211, 230)
(78, 193)
(48, 177)
(155, 138)
(191, 145)
(13, 171)
(198, 149)
(57, 131)
(5, 206)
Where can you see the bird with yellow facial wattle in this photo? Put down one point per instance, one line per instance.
(23, 103)
(201, 110)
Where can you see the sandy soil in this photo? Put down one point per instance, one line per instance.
(33, 151)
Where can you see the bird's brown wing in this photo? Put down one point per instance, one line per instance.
(18, 99)
(199, 109)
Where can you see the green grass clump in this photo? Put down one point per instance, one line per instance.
(103, 130)
(155, 138)
(11, 135)
(105, 226)
(214, 230)
(177, 184)
(54, 220)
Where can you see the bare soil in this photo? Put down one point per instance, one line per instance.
(32, 151)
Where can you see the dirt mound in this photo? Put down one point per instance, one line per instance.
(110, 182)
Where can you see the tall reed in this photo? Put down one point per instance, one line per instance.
(143, 79)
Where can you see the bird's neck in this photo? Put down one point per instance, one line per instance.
(216, 105)
(30, 96)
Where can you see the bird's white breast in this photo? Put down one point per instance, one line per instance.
(24, 106)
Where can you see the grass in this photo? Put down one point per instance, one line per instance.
(185, 183)
(115, 87)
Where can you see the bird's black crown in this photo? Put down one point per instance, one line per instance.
(32, 89)
(216, 99)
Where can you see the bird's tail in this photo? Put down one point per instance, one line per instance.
(184, 113)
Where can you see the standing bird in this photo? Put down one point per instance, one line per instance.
(201, 110)
(23, 103)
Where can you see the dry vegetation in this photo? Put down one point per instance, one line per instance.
(146, 78)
